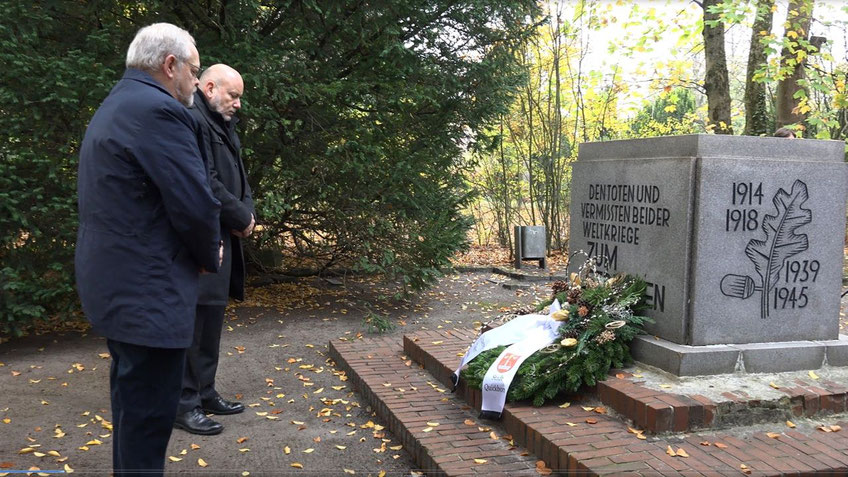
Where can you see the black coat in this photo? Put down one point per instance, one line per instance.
(229, 185)
(148, 219)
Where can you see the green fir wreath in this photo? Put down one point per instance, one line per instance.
(599, 319)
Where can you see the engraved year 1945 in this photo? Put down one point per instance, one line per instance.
(743, 217)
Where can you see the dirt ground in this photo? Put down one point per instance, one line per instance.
(55, 400)
(301, 411)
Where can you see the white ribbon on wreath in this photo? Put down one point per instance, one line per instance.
(526, 334)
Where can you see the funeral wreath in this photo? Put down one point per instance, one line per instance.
(599, 317)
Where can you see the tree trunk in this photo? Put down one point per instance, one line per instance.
(792, 60)
(756, 110)
(716, 81)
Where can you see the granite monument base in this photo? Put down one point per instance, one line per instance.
(776, 357)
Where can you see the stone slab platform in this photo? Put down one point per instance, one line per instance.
(685, 360)
(568, 443)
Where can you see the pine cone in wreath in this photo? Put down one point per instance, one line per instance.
(574, 295)
(572, 333)
(583, 311)
(605, 337)
(558, 287)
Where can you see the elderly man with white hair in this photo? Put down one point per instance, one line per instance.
(149, 226)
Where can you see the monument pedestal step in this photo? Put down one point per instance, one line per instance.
(575, 439)
(777, 357)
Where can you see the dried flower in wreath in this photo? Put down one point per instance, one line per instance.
(560, 315)
(569, 342)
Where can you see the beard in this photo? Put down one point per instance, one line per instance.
(215, 102)
(185, 97)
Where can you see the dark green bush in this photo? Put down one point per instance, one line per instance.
(356, 118)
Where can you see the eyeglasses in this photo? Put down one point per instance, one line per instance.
(195, 70)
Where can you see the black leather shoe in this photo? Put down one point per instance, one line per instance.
(221, 406)
(196, 422)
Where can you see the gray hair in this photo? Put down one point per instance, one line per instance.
(155, 42)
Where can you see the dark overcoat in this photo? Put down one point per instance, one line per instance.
(148, 219)
(229, 185)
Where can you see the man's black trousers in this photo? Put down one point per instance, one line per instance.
(202, 358)
(145, 386)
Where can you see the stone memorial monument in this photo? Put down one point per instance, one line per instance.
(740, 239)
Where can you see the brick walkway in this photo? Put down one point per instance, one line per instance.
(441, 432)
(578, 439)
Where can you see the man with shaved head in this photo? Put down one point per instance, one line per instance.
(216, 101)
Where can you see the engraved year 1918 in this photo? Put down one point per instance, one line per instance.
(741, 218)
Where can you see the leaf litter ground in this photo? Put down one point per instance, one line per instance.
(301, 413)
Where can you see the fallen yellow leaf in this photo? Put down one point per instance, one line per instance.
(432, 424)
(775, 386)
(790, 424)
(309, 451)
(68, 469)
(813, 375)
(772, 435)
(588, 408)
(565, 405)
(241, 440)
(94, 442)
(195, 447)
(720, 445)
(480, 461)
(39, 454)
(669, 451)
(570, 424)
(681, 453)
(202, 463)
(287, 450)
(427, 429)
(298, 423)
(349, 471)
(396, 448)
(382, 473)
(469, 422)
(341, 447)
(244, 449)
(54, 453)
(297, 465)
(174, 459)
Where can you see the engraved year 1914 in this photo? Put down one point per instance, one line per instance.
(743, 217)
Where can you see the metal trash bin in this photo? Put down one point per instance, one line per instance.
(531, 244)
